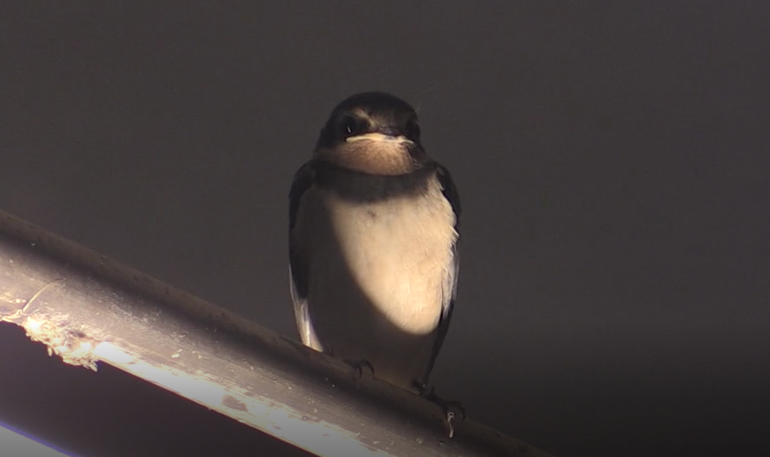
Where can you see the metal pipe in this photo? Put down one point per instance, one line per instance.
(87, 308)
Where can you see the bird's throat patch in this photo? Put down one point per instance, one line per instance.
(373, 155)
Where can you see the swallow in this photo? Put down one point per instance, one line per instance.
(373, 242)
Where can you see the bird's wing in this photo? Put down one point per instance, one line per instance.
(298, 266)
(450, 193)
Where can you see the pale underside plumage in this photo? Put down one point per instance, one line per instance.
(378, 277)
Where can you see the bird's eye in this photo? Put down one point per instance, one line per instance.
(349, 126)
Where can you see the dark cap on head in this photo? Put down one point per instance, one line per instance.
(370, 112)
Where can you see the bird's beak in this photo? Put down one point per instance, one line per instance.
(379, 137)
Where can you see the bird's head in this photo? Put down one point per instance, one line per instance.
(374, 133)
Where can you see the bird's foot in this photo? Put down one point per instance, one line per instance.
(359, 365)
(454, 411)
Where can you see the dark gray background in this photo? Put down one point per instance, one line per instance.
(611, 162)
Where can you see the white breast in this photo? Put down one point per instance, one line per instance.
(399, 251)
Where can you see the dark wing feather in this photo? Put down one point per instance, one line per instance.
(303, 179)
(450, 193)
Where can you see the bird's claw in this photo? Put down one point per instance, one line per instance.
(359, 364)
